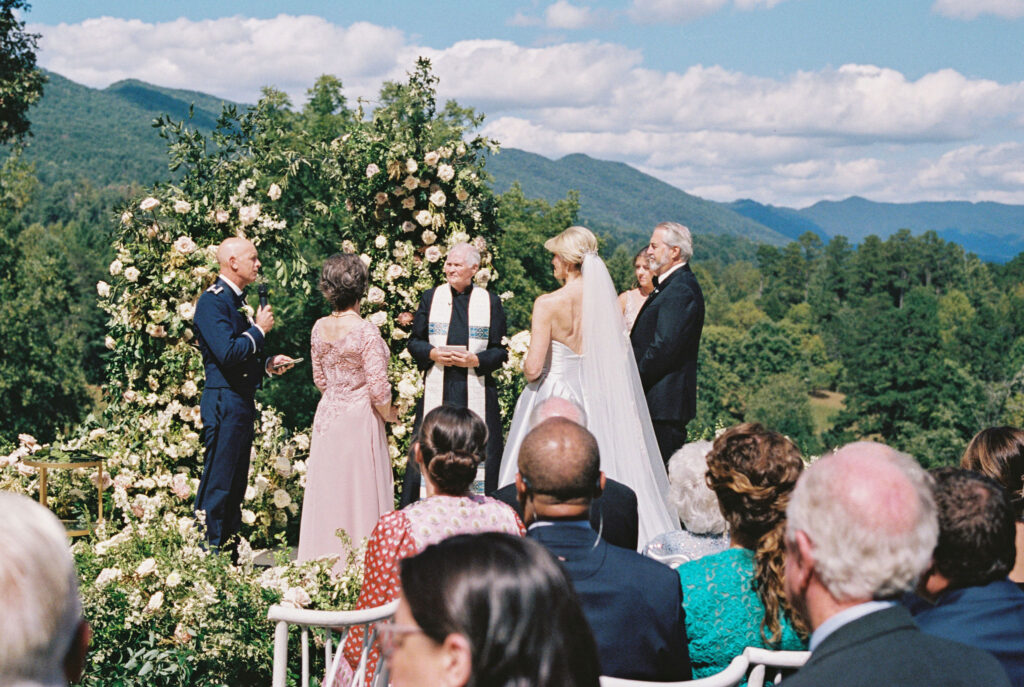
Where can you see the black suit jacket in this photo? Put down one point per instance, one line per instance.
(887, 648)
(665, 337)
(613, 513)
(633, 604)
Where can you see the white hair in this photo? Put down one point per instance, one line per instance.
(39, 606)
(870, 516)
(689, 491)
(556, 406)
(469, 252)
(678, 236)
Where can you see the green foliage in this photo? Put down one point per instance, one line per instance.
(21, 82)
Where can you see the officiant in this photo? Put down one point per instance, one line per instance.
(456, 340)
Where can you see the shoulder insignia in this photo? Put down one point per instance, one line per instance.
(216, 288)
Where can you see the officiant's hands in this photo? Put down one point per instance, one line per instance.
(455, 358)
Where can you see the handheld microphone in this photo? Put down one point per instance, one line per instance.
(262, 291)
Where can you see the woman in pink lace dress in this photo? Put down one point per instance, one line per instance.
(448, 448)
(348, 482)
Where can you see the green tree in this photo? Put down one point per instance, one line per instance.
(21, 82)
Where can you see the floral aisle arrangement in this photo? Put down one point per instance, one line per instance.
(398, 188)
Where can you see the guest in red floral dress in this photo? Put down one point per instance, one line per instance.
(448, 448)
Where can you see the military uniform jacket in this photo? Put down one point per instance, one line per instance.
(232, 346)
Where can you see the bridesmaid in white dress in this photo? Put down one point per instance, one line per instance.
(631, 301)
(579, 350)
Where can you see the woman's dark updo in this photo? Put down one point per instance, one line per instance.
(452, 442)
(343, 280)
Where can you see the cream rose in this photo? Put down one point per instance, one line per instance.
(438, 198)
(109, 342)
(411, 166)
(445, 172)
(282, 498)
(247, 214)
(149, 204)
(366, 259)
(182, 206)
(431, 158)
(132, 274)
(428, 237)
(424, 218)
(274, 192)
(408, 226)
(411, 183)
(184, 245)
(221, 216)
(394, 272)
(174, 579)
(186, 311)
(408, 203)
(381, 242)
(375, 295)
(371, 170)
(116, 267)
(155, 602)
(432, 254)
(461, 194)
(248, 517)
(380, 198)
(378, 319)
(103, 289)
(126, 217)
(146, 567)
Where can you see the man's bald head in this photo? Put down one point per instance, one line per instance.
(870, 516)
(560, 459)
(556, 406)
(238, 260)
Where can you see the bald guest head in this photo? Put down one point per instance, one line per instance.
(238, 260)
(559, 462)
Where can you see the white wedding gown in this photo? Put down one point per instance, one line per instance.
(604, 381)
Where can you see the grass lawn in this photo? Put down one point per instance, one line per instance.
(824, 406)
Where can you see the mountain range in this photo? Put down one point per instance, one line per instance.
(106, 136)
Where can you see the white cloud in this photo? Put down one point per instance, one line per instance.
(715, 132)
(681, 11)
(971, 9)
(565, 15)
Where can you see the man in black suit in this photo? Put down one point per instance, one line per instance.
(613, 514)
(633, 604)
(666, 336)
(861, 527)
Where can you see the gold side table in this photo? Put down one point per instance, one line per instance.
(63, 464)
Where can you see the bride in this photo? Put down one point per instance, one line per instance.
(579, 350)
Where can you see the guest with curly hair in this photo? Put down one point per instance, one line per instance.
(348, 483)
(999, 453)
(450, 444)
(735, 599)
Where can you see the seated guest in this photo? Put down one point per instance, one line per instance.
(43, 637)
(613, 514)
(633, 604)
(449, 446)
(861, 530)
(999, 453)
(488, 609)
(735, 599)
(698, 510)
(973, 601)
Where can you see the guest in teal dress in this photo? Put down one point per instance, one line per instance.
(735, 599)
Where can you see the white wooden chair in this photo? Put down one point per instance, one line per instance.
(730, 677)
(283, 616)
(761, 659)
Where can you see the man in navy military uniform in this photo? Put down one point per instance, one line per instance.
(232, 348)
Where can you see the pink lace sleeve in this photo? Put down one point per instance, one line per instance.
(375, 364)
(390, 542)
(315, 355)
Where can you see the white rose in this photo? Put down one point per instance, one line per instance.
(283, 468)
(247, 214)
(411, 183)
(461, 194)
(371, 170)
(184, 245)
(375, 295)
(109, 342)
(131, 274)
(182, 206)
(274, 192)
(366, 259)
(408, 203)
(116, 267)
(431, 158)
(348, 247)
(411, 166)
(424, 218)
(107, 575)
(126, 217)
(461, 148)
(408, 226)
(296, 597)
(248, 517)
(189, 389)
(149, 203)
(302, 442)
(482, 277)
(157, 331)
(438, 198)
(379, 318)
(103, 289)
(394, 272)
(155, 602)
(146, 567)
(399, 334)
(282, 498)
(129, 395)
(445, 172)
(398, 430)
(407, 389)
(174, 579)
(380, 198)
(250, 494)
(428, 237)
(186, 311)
(221, 216)
(433, 254)
(381, 242)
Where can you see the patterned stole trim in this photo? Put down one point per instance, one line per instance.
(479, 334)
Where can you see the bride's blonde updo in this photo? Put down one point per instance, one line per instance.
(572, 244)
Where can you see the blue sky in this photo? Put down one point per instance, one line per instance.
(783, 101)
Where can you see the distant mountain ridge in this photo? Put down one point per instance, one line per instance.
(106, 136)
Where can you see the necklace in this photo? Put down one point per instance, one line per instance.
(344, 313)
